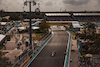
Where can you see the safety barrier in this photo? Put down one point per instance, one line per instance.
(67, 57)
(42, 46)
(23, 65)
(27, 58)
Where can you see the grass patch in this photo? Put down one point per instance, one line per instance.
(74, 38)
(38, 35)
(73, 33)
(1, 46)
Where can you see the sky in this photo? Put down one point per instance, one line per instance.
(52, 5)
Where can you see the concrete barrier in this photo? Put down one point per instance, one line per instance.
(32, 58)
(67, 57)
(23, 65)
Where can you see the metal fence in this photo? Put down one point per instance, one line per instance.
(31, 53)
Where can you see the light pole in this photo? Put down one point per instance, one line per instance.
(30, 28)
(6, 9)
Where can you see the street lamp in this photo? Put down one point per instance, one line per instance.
(24, 15)
(34, 3)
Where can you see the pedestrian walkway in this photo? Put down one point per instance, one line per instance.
(74, 45)
(10, 45)
(12, 55)
(9, 32)
(74, 53)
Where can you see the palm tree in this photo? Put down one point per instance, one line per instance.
(89, 31)
(44, 26)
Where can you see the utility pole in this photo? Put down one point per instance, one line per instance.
(30, 26)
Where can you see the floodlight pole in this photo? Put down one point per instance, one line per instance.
(30, 28)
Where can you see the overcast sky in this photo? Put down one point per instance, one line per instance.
(52, 5)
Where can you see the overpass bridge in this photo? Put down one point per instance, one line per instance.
(59, 22)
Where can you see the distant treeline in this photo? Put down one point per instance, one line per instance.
(21, 15)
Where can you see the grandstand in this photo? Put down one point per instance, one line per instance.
(58, 17)
(87, 17)
(81, 17)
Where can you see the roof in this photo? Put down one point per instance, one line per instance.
(57, 14)
(22, 28)
(3, 23)
(35, 28)
(85, 14)
(33, 19)
(76, 24)
(2, 37)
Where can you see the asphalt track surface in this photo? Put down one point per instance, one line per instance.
(58, 44)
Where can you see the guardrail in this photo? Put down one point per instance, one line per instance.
(32, 53)
(67, 57)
